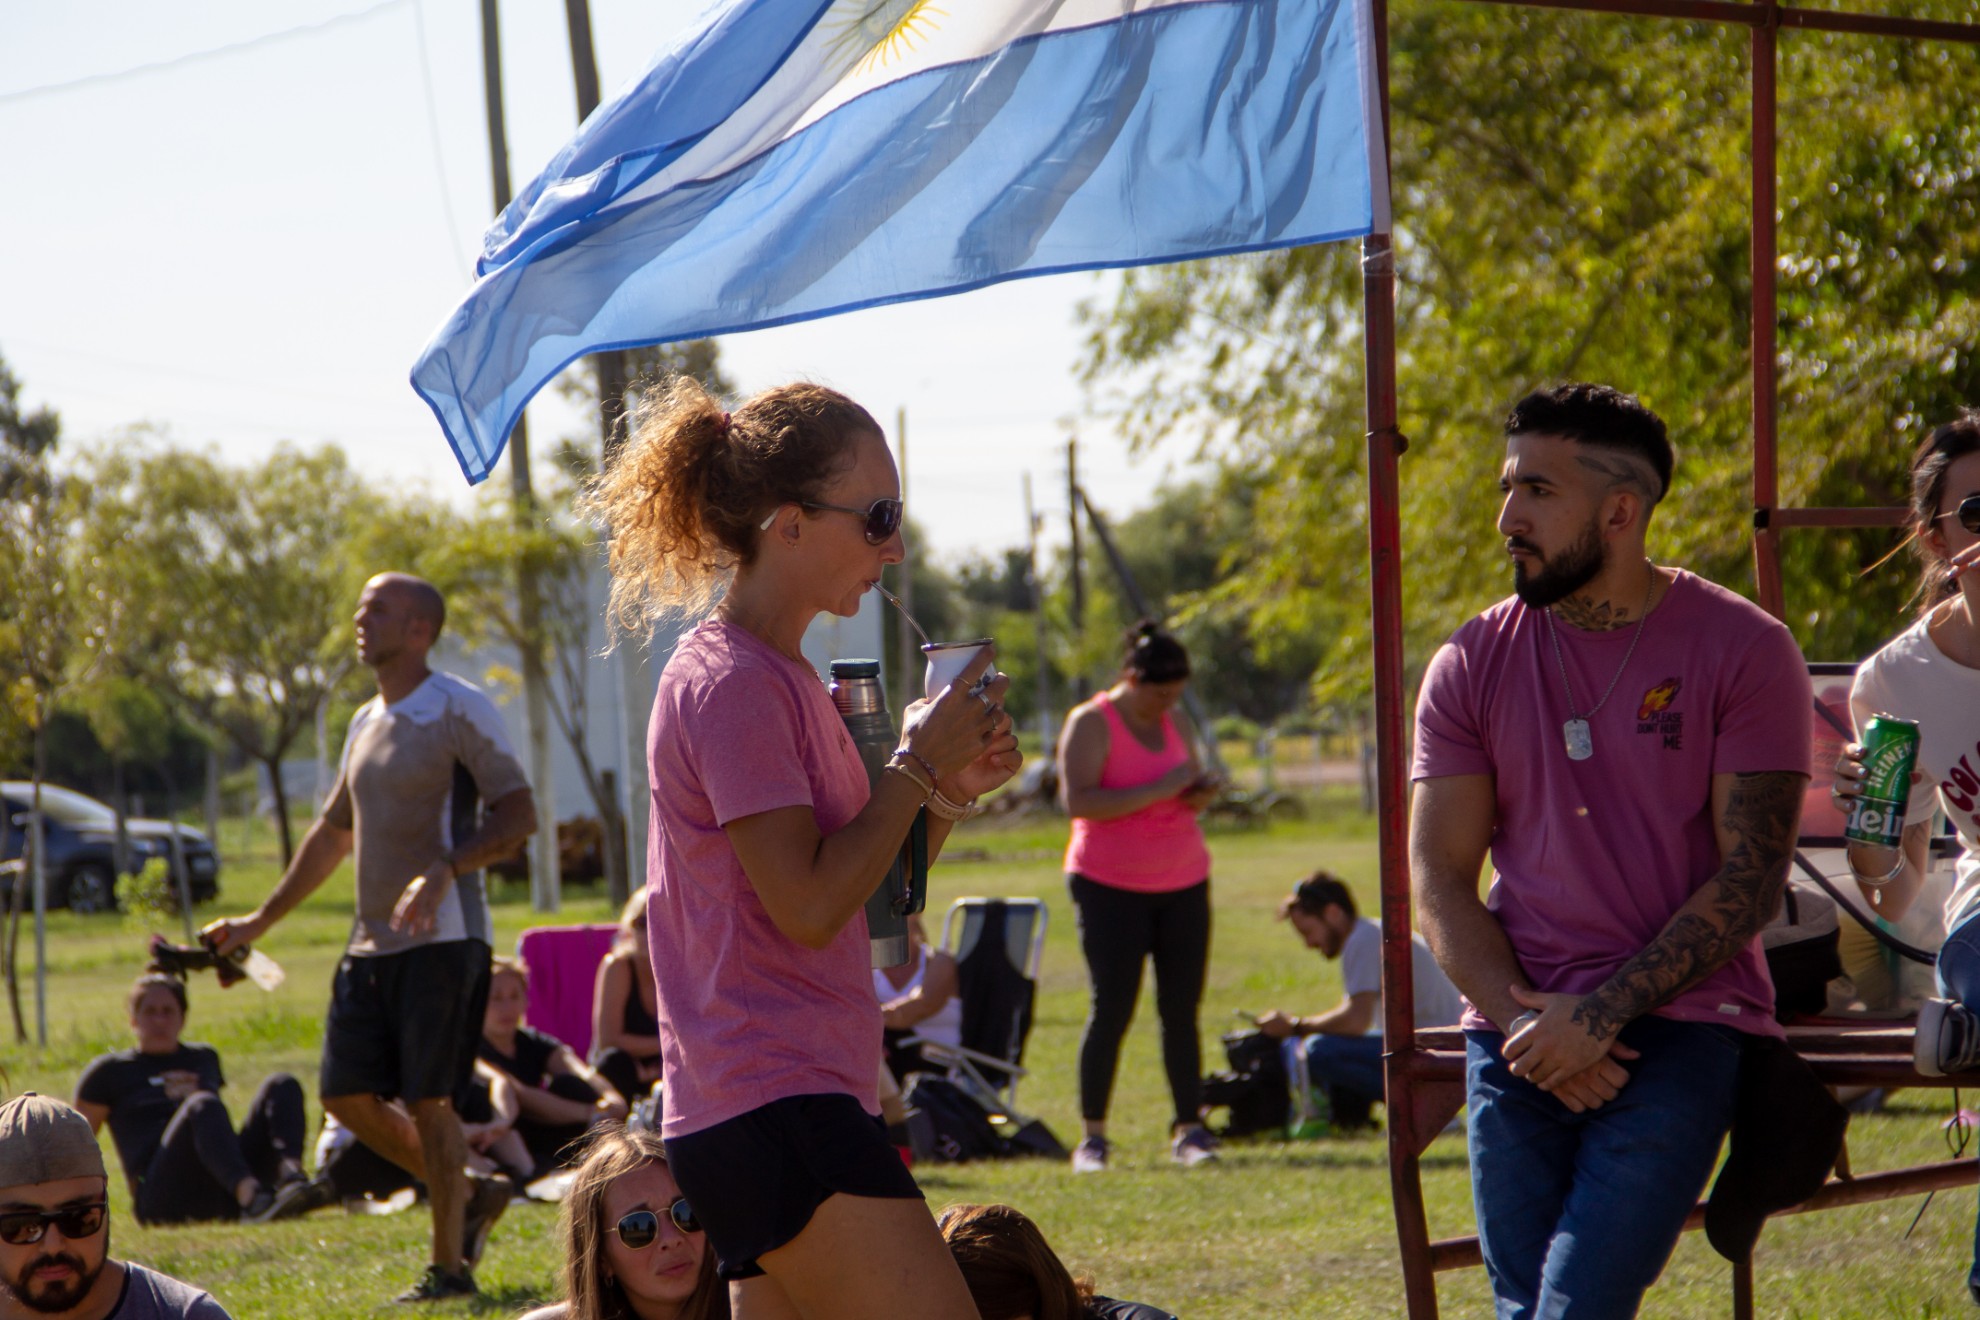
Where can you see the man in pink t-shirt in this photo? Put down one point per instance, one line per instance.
(1630, 744)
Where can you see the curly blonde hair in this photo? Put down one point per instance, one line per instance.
(682, 499)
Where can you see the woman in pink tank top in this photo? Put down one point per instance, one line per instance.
(1140, 878)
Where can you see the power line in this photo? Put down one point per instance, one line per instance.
(439, 159)
(233, 48)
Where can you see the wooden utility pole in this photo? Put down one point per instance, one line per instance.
(1032, 522)
(545, 881)
(910, 662)
(622, 845)
(1080, 688)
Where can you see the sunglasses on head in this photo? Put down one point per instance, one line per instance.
(23, 1228)
(882, 517)
(1968, 514)
(641, 1227)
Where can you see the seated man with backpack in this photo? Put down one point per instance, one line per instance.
(1343, 1046)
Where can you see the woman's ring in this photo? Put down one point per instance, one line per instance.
(988, 704)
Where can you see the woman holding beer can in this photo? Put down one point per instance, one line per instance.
(767, 840)
(1928, 678)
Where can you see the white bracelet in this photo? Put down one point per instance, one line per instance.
(939, 804)
(1874, 880)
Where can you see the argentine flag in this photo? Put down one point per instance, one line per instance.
(790, 159)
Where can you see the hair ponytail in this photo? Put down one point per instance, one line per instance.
(1153, 655)
(682, 499)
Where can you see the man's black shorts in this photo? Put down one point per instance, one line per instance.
(406, 1024)
(755, 1180)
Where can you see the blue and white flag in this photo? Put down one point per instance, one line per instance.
(789, 159)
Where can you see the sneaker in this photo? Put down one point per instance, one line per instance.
(1947, 1039)
(296, 1197)
(258, 1206)
(488, 1197)
(1090, 1155)
(438, 1285)
(1193, 1146)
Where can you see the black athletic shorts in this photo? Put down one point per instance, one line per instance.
(406, 1024)
(756, 1180)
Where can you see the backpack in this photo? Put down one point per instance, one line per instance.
(962, 1129)
(1254, 1089)
(1801, 945)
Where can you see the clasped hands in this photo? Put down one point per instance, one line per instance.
(1547, 1047)
(966, 736)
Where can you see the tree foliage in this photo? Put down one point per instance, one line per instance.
(1571, 198)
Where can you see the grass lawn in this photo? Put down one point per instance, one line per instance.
(1273, 1229)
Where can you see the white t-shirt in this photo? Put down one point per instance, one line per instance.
(1913, 679)
(1437, 1002)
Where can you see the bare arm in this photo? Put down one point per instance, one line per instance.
(97, 1114)
(1755, 817)
(565, 1062)
(1082, 757)
(323, 848)
(618, 980)
(509, 820)
(1351, 1017)
(1450, 830)
(937, 988)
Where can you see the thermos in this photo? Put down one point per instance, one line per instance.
(903, 890)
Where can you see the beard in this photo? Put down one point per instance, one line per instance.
(1561, 575)
(52, 1299)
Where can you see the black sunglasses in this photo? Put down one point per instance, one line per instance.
(24, 1228)
(641, 1227)
(882, 517)
(1968, 514)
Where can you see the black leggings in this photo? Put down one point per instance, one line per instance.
(201, 1160)
(1118, 930)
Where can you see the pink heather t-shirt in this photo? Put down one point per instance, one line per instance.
(1591, 858)
(748, 1015)
(1156, 850)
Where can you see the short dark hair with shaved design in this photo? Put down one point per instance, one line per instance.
(1636, 450)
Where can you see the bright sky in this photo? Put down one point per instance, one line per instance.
(252, 246)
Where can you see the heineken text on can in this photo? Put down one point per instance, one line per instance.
(1890, 750)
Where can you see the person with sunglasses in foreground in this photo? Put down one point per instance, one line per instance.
(1930, 674)
(767, 841)
(632, 1246)
(55, 1228)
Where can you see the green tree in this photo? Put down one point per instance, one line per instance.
(1571, 194)
(235, 587)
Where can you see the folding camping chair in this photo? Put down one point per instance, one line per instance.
(563, 971)
(998, 944)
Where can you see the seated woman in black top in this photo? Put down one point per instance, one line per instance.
(558, 1096)
(179, 1149)
(625, 1028)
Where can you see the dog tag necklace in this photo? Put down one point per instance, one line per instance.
(1575, 733)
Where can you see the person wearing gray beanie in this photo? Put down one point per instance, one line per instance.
(55, 1228)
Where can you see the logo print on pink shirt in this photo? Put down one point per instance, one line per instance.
(1655, 716)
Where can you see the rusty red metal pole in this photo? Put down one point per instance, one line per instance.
(1766, 489)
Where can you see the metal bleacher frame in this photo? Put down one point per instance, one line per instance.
(1425, 1069)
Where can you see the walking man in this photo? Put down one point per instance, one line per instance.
(1630, 743)
(55, 1228)
(407, 1003)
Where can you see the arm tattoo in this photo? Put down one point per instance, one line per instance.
(1762, 813)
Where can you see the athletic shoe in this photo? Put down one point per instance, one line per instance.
(1090, 1155)
(1947, 1039)
(438, 1285)
(488, 1197)
(258, 1206)
(298, 1196)
(1193, 1146)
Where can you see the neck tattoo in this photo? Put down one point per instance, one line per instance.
(1575, 732)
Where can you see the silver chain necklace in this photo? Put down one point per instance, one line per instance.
(1575, 732)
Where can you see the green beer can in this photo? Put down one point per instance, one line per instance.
(1890, 751)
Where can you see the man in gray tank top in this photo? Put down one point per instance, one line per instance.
(406, 1007)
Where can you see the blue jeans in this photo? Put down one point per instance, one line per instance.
(1349, 1070)
(1578, 1213)
(1959, 979)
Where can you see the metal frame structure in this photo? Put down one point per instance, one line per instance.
(1424, 1071)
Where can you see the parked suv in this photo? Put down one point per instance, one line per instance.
(81, 836)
